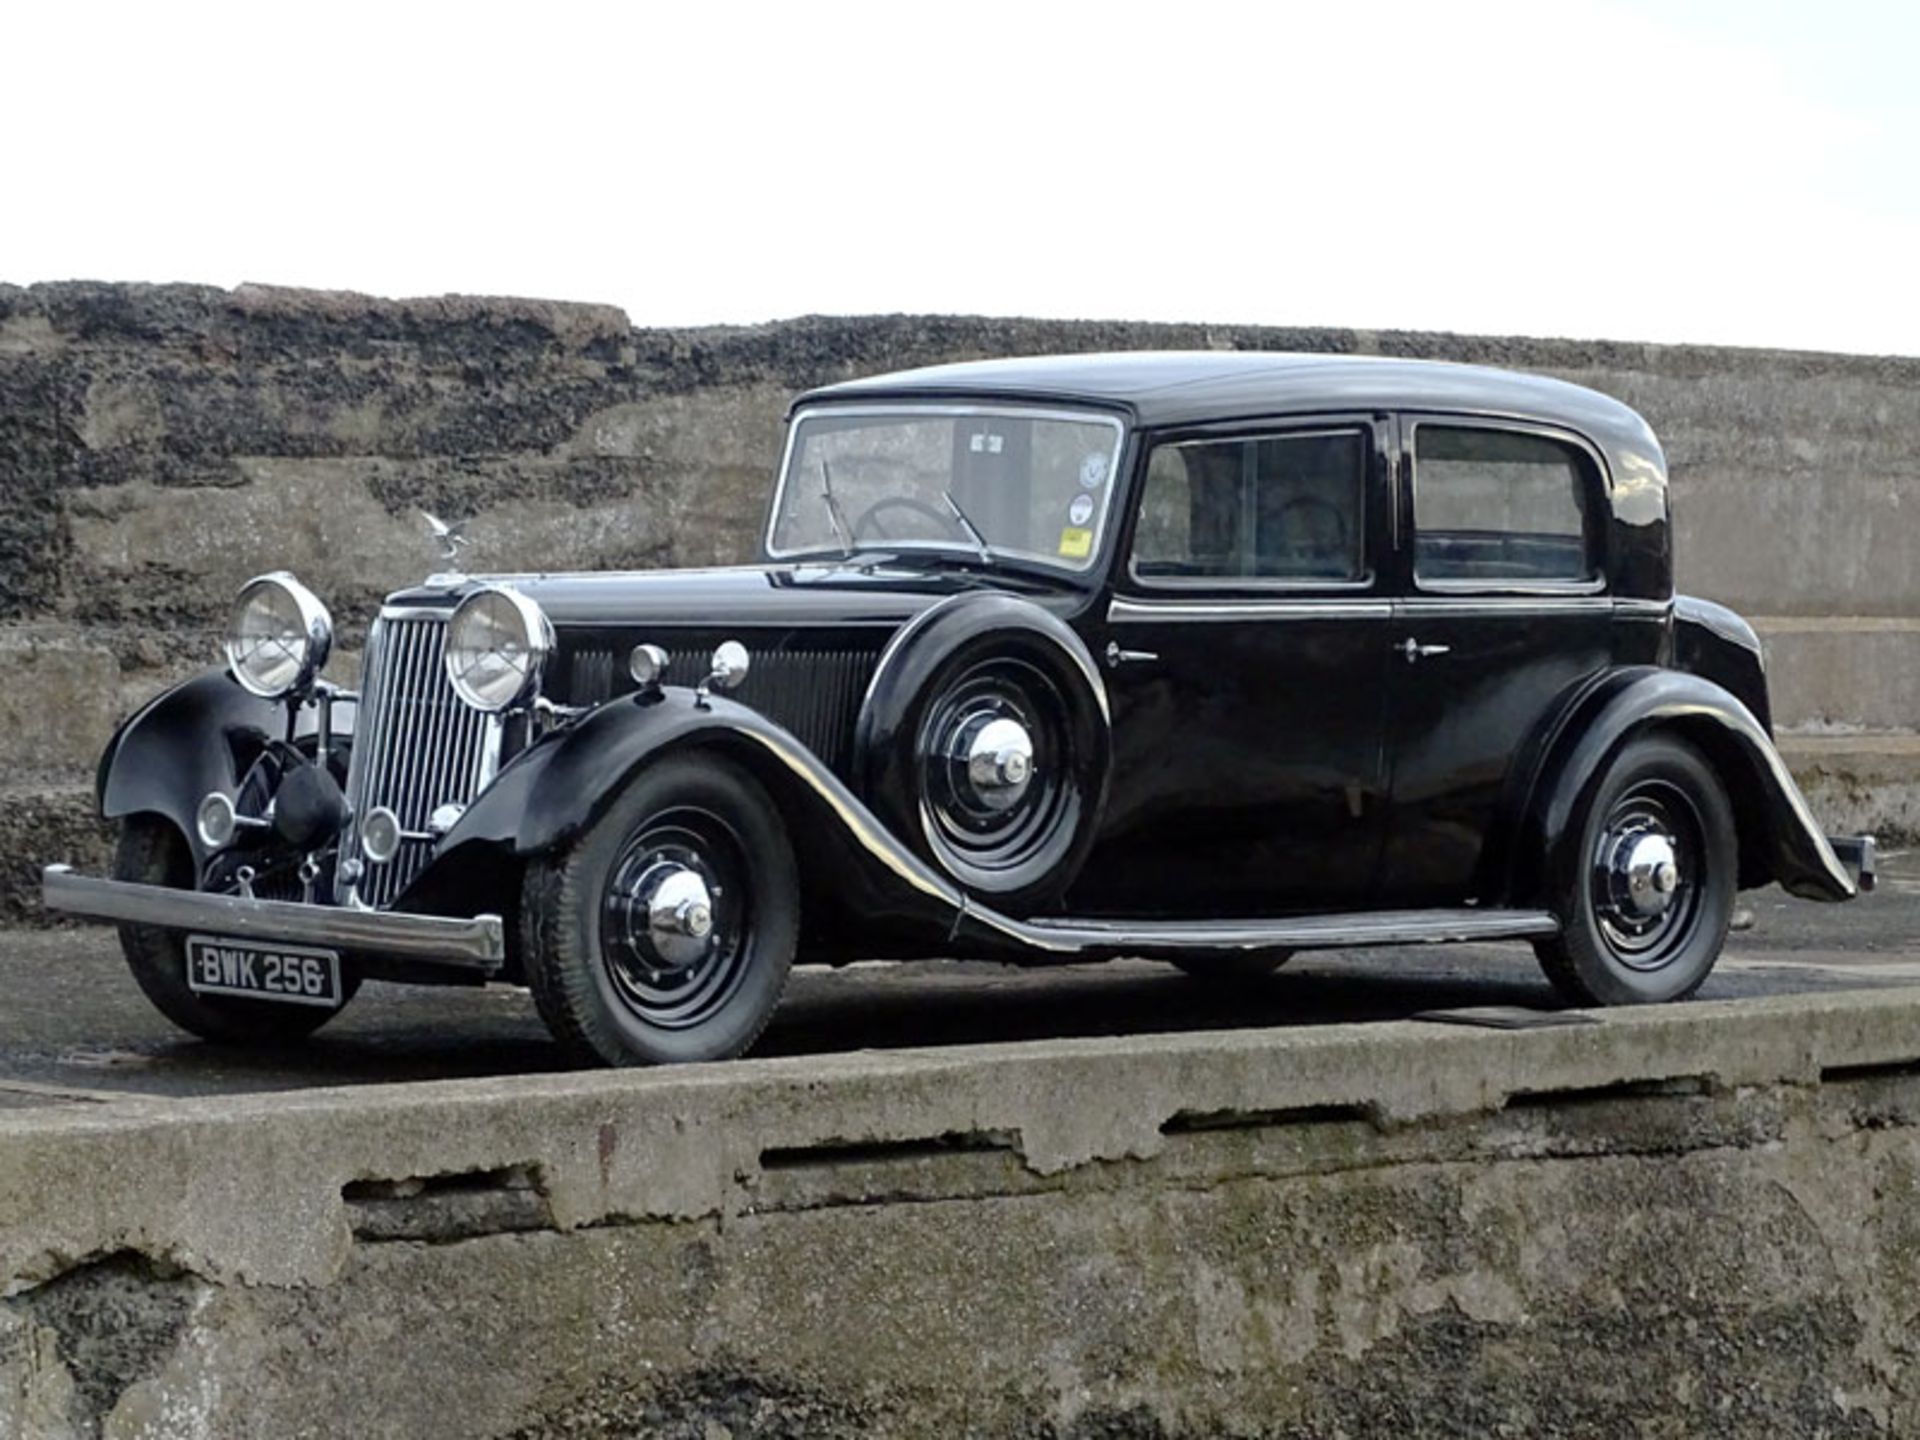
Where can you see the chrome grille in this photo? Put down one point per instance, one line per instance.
(417, 746)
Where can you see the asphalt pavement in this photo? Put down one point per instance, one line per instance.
(72, 1022)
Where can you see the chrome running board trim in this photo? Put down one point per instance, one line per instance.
(1092, 938)
(478, 944)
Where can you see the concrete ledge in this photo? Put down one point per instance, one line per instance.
(1422, 1228)
(1860, 784)
(1842, 673)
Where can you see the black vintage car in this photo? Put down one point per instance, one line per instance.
(1208, 657)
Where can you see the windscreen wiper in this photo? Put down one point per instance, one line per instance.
(973, 531)
(834, 517)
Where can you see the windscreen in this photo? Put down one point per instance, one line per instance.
(1025, 484)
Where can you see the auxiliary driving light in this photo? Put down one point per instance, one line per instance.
(380, 835)
(215, 820)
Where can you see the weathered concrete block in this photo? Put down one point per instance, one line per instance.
(1842, 675)
(37, 828)
(59, 700)
(1860, 784)
(1395, 1228)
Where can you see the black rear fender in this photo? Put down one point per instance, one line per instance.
(1779, 838)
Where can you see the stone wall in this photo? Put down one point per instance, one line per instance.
(1692, 1220)
(159, 444)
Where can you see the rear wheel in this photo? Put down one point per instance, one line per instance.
(153, 852)
(667, 931)
(1648, 890)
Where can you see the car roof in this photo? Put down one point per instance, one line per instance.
(1168, 388)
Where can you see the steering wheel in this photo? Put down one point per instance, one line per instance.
(903, 502)
(1308, 525)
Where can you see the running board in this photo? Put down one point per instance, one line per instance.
(1068, 938)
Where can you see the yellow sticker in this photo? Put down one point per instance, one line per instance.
(1075, 543)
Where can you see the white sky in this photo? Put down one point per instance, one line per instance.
(1705, 170)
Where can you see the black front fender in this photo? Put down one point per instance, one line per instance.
(557, 788)
(1779, 838)
(197, 737)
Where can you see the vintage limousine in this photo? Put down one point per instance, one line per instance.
(1201, 657)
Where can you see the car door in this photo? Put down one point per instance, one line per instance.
(1245, 643)
(1502, 610)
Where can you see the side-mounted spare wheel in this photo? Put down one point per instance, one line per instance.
(152, 852)
(1645, 890)
(984, 745)
(666, 931)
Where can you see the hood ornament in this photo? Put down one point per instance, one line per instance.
(449, 536)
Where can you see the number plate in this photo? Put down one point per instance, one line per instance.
(294, 973)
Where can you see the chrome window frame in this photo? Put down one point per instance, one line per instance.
(1596, 520)
(1226, 584)
(1102, 526)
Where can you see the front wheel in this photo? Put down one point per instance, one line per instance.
(152, 852)
(666, 932)
(1648, 890)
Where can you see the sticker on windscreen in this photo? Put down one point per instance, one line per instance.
(1093, 470)
(1075, 543)
(1081, 510)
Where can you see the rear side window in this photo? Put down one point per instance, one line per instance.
(1494, 507)
(1283, 508)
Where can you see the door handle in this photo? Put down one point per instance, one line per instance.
(1116, 657)
(1415, 651)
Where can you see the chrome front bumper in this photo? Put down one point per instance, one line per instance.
(477, 944)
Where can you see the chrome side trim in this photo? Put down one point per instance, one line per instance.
(1633, 605)
(1123, 610)
(1518, 603)
(478, 944)
(1307, 932)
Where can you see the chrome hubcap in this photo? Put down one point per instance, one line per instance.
(995, 767)
(998, 757)
(675, 922)
(1644, 896)
(679, 913)
(1646, 873)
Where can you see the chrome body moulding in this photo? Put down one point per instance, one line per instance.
(1124, 609)
(477, 944)
(1095, 939)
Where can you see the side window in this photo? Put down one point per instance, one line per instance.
(1495, 507)
(1267, 507)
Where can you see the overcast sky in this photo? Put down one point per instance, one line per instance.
(1743, 173)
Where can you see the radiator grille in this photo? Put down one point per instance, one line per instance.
(417, 746)
(814, 693)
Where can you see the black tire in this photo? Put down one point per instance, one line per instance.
(152, 852)
(1230, 970)
(606, 990)
(1614, 947)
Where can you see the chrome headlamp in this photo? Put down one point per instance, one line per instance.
(497, 641)
(278, 636)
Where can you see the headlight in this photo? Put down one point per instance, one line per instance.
(278, 636)
(496, 643)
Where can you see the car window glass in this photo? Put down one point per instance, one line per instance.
(1495, 505)
(1269, 507)
(1030, 484)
